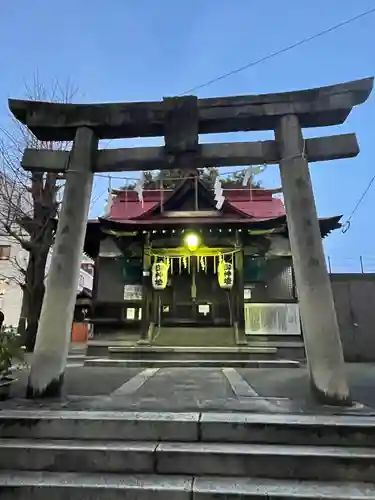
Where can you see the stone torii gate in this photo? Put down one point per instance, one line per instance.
(180, 120)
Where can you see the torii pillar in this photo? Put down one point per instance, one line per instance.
(318, 315)
(51, 350)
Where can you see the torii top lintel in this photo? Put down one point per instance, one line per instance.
(316, 107)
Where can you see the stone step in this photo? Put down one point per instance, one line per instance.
(191, 363)
(63, 455)
(111, 425)
(76, 357)
(274, 337)
(255, 428)
(282, 345)
(31, 485)
(326, 430)
(192, 353)
(258, 488)
(321, 463)
(275, 344)
(284, 350)
(100, 347)
(77, 347)
(195, 336)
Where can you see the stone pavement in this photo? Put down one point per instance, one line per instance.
(196, 389)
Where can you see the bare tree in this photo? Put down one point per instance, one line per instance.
(29, 206)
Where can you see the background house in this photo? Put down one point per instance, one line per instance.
(13, 259)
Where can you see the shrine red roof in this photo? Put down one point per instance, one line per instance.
(241, 202)
(255, 210)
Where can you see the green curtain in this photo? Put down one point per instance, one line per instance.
(132, 271)
(254, 269)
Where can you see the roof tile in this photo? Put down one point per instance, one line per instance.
(257, 204)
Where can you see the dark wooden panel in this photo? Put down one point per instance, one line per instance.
(110, 284)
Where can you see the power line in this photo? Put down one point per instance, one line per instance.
(96, 199)
(117, 177)
(266, 58)
(256, 62)
(346, 226)
(132, 179)
(282, 51)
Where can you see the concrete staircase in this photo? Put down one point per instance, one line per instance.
(288, 346)
(193, 346)
(198, 347)
(110, 455)
(168, 357)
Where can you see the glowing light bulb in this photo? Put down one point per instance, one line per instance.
(192, 241)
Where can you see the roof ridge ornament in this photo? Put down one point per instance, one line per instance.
(219, 196)
(139, 185)
(250, 172)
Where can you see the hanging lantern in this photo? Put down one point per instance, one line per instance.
(225, 274)
(159, 275)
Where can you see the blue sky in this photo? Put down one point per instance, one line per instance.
(125, 50)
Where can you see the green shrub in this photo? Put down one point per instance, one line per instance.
(11, 350)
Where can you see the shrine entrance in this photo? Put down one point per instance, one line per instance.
(197, 288)
(193, 297)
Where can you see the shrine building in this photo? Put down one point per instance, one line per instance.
(174, 269)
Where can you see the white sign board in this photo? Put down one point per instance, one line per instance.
(130, 313)
(204, 309)
(133, 292)
(85, 280)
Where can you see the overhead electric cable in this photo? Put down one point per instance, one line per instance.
(282, 51)
(346, 226)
